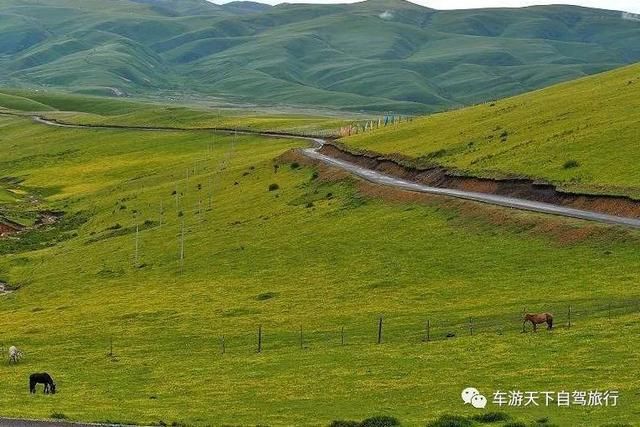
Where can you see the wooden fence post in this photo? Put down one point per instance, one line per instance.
(301, 340)
(182, 247)
(380, 330)
(260, 339)
(137, 244)
(569, 325)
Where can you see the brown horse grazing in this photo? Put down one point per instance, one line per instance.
(538, 318)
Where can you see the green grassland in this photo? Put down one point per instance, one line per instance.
(320, 252)
(21, 103)
(42, 101)
(95, 110)
(581, 135)
(190, 118)
(377, 55)
(6, 196)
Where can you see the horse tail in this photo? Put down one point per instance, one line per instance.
(550, 320)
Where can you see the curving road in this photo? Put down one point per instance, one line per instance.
(388, 180)
(509, 202)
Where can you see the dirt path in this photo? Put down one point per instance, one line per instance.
(509, 202)
(393, 181)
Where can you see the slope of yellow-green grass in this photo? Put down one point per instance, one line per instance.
(189, 118)
(92, 110)
(14, 102)
(593, 121)
(316, 253)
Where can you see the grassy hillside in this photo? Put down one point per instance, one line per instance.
(581, 135)
(20, 103)
(43, 101)
(94, 110)
(376, 55)
(320, 252)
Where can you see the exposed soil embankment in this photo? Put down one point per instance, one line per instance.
(45, 218)
(48, 218)
(8, 228)
(518, 188)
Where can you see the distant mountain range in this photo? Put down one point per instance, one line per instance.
(377, 55)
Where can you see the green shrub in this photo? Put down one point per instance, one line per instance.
(451, 421)
(491, 417)
(380, 421)
(266, 295)
(273, 187)
(570, 164)
(543, 422)
(58, 416)
(344, 423)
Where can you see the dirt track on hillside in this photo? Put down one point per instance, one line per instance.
(518, 188)
(365, 167)
(517, 194)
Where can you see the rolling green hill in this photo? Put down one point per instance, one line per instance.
(96, 110)
(376, 55)
(581, 135)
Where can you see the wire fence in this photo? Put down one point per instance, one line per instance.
(366, 331)
(412, 329)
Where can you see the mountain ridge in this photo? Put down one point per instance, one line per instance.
(375, 55)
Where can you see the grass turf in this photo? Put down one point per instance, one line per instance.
(318, 253)
(570, 134)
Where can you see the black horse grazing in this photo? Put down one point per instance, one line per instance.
(42, 378)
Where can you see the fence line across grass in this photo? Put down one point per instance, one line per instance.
(405, 329)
